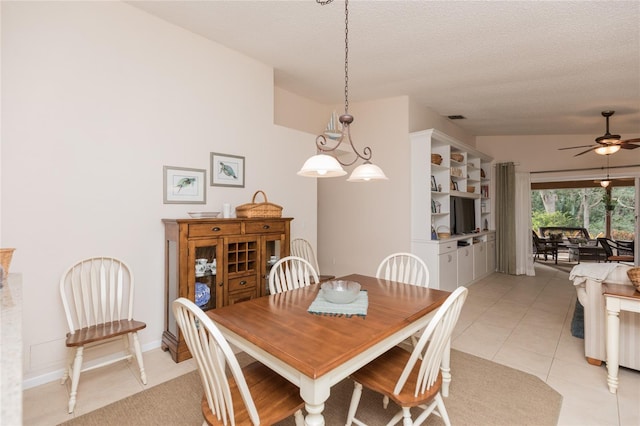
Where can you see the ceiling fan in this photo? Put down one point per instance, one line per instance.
(607, 143)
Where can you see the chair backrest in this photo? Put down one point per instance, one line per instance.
(291, 272)
(430, 348)
(605, 245)
(302, 248)
(97, 290)
(213, 355)
(405, 268)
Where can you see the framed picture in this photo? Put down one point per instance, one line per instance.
(227, 170)
(433, 206)
(184, 186)
(434, 185)
(454, 185)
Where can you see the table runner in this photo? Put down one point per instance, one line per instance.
(321, 306)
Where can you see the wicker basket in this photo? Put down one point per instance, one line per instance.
(457, 157)
(436, 159)
(5, 259)
(634, 276)
(471, 189)
(443, 232)
(264, 209)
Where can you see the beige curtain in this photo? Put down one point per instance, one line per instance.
(506, 218)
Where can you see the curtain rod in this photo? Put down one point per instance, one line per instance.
(586, 169)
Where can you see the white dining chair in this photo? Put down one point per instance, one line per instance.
(405, 268)
(291, 272)
(302, 248)
(229, 399)
(97, 296)
(412, 379)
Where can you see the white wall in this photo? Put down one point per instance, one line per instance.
(96, 98)
(361, 223)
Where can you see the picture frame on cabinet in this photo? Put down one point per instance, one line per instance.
(433, 206)
(434, 185)
(183, 185)
(227, 170)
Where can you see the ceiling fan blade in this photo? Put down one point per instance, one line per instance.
(584, 152)
(574, 147)
(627, 145)
(630, 141)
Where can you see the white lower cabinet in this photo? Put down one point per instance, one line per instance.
(450, 265)
(491, 253)
(465, 265)
(479, 259)
(448, 270)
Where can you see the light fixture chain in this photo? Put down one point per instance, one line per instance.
(346, 57)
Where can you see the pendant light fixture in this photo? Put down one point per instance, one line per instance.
(326, 163)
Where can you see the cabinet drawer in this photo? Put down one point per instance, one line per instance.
(242, 283)
(261, 227)
(213, 229)
(447, 247)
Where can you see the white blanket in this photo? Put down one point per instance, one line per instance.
(599, 272)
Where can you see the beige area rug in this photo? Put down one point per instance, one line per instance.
(482, 393)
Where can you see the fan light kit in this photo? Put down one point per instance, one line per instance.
(607, 144)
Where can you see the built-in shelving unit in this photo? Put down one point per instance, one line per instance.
(442, 167)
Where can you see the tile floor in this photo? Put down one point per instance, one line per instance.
(522, 322)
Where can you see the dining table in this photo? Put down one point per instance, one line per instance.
(318, 350)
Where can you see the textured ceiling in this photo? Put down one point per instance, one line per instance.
(510, 67)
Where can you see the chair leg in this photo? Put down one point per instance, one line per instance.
(136, 347)
(298, 418)
(67, 370)
(75, 378)
(355, 400)
(442, 410)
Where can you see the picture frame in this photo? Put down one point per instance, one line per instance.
(182, 185)
(434, 184)
(433, 206)
(227, 170)
(454, 185)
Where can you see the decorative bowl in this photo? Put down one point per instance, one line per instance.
(340, 291)
(202, 215)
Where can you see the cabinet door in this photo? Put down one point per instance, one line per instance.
(491, 256)
(447, 271)
(204, 283)
(479, 259)
(465, 265)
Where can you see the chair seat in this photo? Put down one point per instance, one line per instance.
(104, 331)
(275, 398)
(381, 375)
(621, 258)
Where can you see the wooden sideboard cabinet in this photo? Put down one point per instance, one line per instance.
(238, 254)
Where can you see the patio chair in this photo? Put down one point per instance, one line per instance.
(616, 251)
(543, 247)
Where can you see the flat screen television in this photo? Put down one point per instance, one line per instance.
(463, 215)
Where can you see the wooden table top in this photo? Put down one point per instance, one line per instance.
(621, 290)
(316, 344)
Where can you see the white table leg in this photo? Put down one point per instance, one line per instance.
(314, 393)
(613, 346)
(445, 368)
